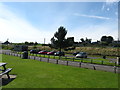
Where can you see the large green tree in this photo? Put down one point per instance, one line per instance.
(105, 40)
(58, 40)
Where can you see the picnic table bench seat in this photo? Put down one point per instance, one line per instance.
(6, 72)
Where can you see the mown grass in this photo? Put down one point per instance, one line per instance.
(35, 74)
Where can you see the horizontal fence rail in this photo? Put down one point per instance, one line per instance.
(72, 61)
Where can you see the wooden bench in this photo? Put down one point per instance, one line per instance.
(4, 70)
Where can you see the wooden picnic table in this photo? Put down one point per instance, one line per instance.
(4, 70)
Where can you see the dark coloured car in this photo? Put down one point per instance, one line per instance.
(59, 53)
(81, 55)
(34, 51)
(43, 52)
(75, 53)
(51, 53)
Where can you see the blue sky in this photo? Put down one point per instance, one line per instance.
(34, 21)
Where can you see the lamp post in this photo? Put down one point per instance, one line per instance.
(44, 43)
(118, 50)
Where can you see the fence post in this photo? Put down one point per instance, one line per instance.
(94, 67)
(48, 58)
(66, 58)
(67, 63)
(57, 61)
(34, 57)
(114, 69)
(73, 58)
(91, 61)
(40, 58)
(80, 64)
(102, 62)
(115, 64)
(20, 54)
(81, 60)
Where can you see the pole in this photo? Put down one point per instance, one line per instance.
(44, 43)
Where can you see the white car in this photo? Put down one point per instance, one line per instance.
(81, 55)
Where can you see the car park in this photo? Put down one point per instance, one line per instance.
(51, 53)
(75, 53)
(34, 51)
(81, 55)
(43, 52)
(59, 53)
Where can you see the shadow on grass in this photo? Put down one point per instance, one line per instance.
(4, 80)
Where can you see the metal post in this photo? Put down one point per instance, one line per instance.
(44, 43)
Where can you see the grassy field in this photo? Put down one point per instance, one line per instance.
(35, 74)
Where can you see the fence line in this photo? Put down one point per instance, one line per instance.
(81, 64)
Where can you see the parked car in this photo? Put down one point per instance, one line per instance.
(34, 51)
(81, 55)
(59, 53)
(51, 53)
(75, 53)
(43, 52)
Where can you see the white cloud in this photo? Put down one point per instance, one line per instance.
(95, 32)
(92, 16)
(17, 29)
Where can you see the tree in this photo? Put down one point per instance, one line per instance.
(105, 40)
(110, 39)
(85, 41)
(58, 40)
(31, 43)
(82, 39)
(88, 40)
(35, 43)
(26, 43)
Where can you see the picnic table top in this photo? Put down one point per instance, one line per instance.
(1, 64)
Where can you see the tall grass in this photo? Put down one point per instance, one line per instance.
(110, 51)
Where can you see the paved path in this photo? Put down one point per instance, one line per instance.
(110, 59)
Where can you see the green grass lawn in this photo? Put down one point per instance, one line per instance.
(35, 74)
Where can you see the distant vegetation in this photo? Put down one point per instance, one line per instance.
(106, 45)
